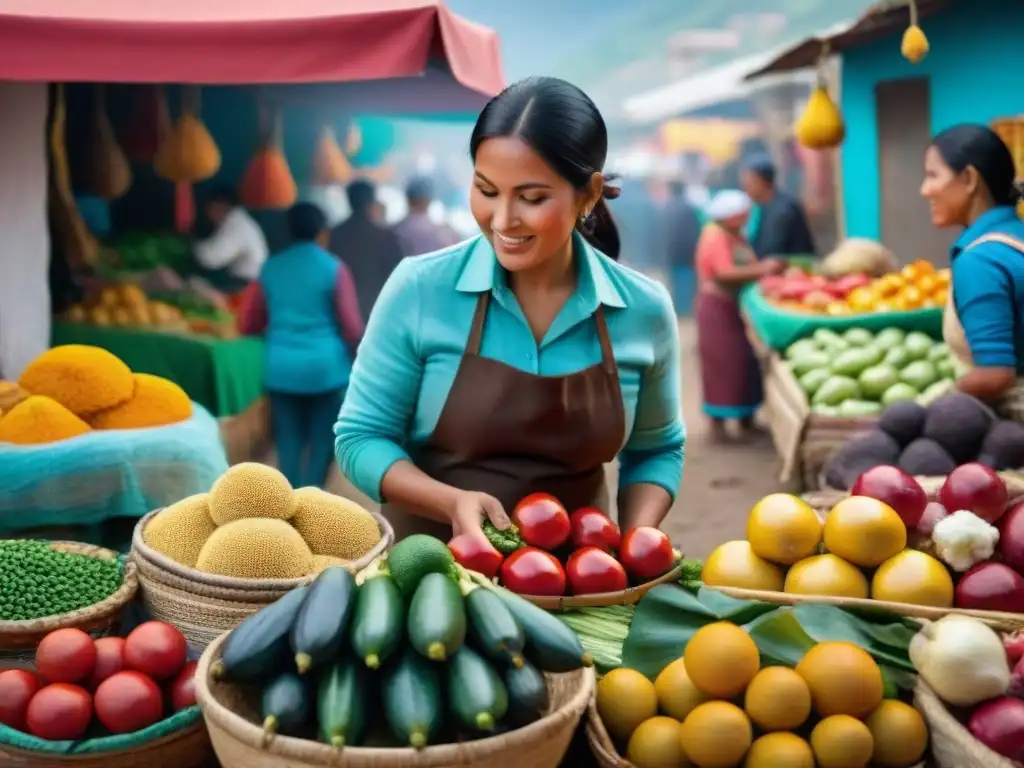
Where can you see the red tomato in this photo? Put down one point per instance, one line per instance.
(59, 712)
(66, 656)
(592, 570)
(476, 553)
(128, 702)
(109, 660)
(646, 553)
(17, 687)
(182, 689)
(155, 649)
(532, 571)
(542, 521)
(593, 528)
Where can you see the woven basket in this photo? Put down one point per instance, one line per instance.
(627, 596)
(20, 637)
(953, 746)
(231, 719)
(203, 606)
(188, 748)
(932, 484)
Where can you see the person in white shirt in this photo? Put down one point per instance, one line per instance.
(234, 254)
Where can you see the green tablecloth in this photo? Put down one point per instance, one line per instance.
(225, 376)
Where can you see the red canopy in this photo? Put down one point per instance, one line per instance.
(244, 41)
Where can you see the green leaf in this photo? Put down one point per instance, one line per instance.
(780, 638)
(888, 643)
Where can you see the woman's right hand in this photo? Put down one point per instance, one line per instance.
(773, 266)
(470, 510)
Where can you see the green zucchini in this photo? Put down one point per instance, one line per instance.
(341, 703)
(492, 627)
(285, 707)
(319, 629)
(475, 691)
(378, 621)
(527, 694)
(437, 617)
(412, 700)
(258, 648)
(550, 645)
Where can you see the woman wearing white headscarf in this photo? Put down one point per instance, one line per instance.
(725, 262)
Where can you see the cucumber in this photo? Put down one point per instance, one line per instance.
(493, 628)
(527, 694)
(437, 617)
(285, 707)
(550, 645)
(475, 691)
(342, 699)
(378, 623)
(258, 648)
(412, 700)
(319, 629)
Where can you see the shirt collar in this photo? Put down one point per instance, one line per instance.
(988, 221)
(482, 272)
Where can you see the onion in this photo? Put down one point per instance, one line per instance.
(961, 659)
(999, 725)
(991, 587)
(1014, 645)
(1011, 537)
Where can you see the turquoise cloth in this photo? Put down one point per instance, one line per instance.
(95, 212)
(753, 227)
(419, 327)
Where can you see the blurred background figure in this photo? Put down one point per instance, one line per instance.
(778, 225)
(233, 255)
(682, 231)
(418, 233)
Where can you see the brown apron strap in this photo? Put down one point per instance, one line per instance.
(607, 353)
(476, 330)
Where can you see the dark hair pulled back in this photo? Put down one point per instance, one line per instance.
(560, 123)
(306, 221)
(980, 147)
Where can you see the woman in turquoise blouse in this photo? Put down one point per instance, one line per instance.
(525, 359)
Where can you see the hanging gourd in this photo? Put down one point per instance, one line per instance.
(108, 174)
(148, 126)
(268, 182)
(330, 166)
(915, 44)
(821, 125)
(70, 232)
(188, 154)
(353, 139)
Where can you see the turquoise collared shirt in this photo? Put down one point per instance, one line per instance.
(418, 330)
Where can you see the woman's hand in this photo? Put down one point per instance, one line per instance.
(773, 266)
(470, 510)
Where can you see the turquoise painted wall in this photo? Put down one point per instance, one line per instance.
(976, 48)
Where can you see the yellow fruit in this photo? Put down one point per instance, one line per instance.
(734, 564)
(841, 741)
(333, 525)
(251, 490)
(783, 529)
(83, 379)
(677, 695)
(821, 125)
(656, 743)
(913, 577)
(156, 402)
(914, 46)
(625, 698)
(900, 735)
(779, 750)
(777, 699)
(323, 562)
(180, 530)
(864, 531)
(716, 735)
(843, 678)
(256, 548)
(38, 420)
(721, 660)
(826, 575)
(861, 299)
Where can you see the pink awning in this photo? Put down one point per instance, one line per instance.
(244, 41)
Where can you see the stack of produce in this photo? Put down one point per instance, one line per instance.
(453, 656)
(90, 688)
(74, 389)
(716, 706)
(253, 525)
(144, 251)
(858, 373)
(930, 440)
(125, 305)
(528, 558)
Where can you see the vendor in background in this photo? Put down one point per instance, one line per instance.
(778, 225)
(969, 183)
(417, 233)
(526, 359)
(304, 302)
(234, 254)
(682, 232)
(730, 374)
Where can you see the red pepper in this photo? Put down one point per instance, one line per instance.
(476, 553)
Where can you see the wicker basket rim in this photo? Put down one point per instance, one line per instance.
(141, 549)
(600, 599)
(1007, 475)
(252, 736)
(121, 596)
(73, 758)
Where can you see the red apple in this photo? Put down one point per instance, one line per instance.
(1011, 537)
(976, 488)
(893, 486)
(991, 587)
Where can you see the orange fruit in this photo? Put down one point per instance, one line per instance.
(843, 679)
(777, 699)
(899, 733)
(841, 741)
(716, 735)
(783, 529)
(625, 698)
(864, 531)
(721, 660)
(779, 750)
(913, 577)
(826, 575)
(734, 564)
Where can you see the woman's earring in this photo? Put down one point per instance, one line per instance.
(586, 221)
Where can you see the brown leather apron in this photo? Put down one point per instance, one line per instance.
(510, 433)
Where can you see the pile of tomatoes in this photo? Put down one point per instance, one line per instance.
(582, 553)
(112, 685)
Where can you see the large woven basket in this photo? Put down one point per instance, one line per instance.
(203, 606)
(627, 596)
(232, 721)
(952, 744)
(21, 637)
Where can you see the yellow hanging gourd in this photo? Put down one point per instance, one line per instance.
(268, 182)
(915, 44)
(330, 166)
(188, 154)
(821, 125)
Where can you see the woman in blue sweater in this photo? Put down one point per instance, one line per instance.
(969, 183)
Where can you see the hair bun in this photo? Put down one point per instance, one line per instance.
(612, 189)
